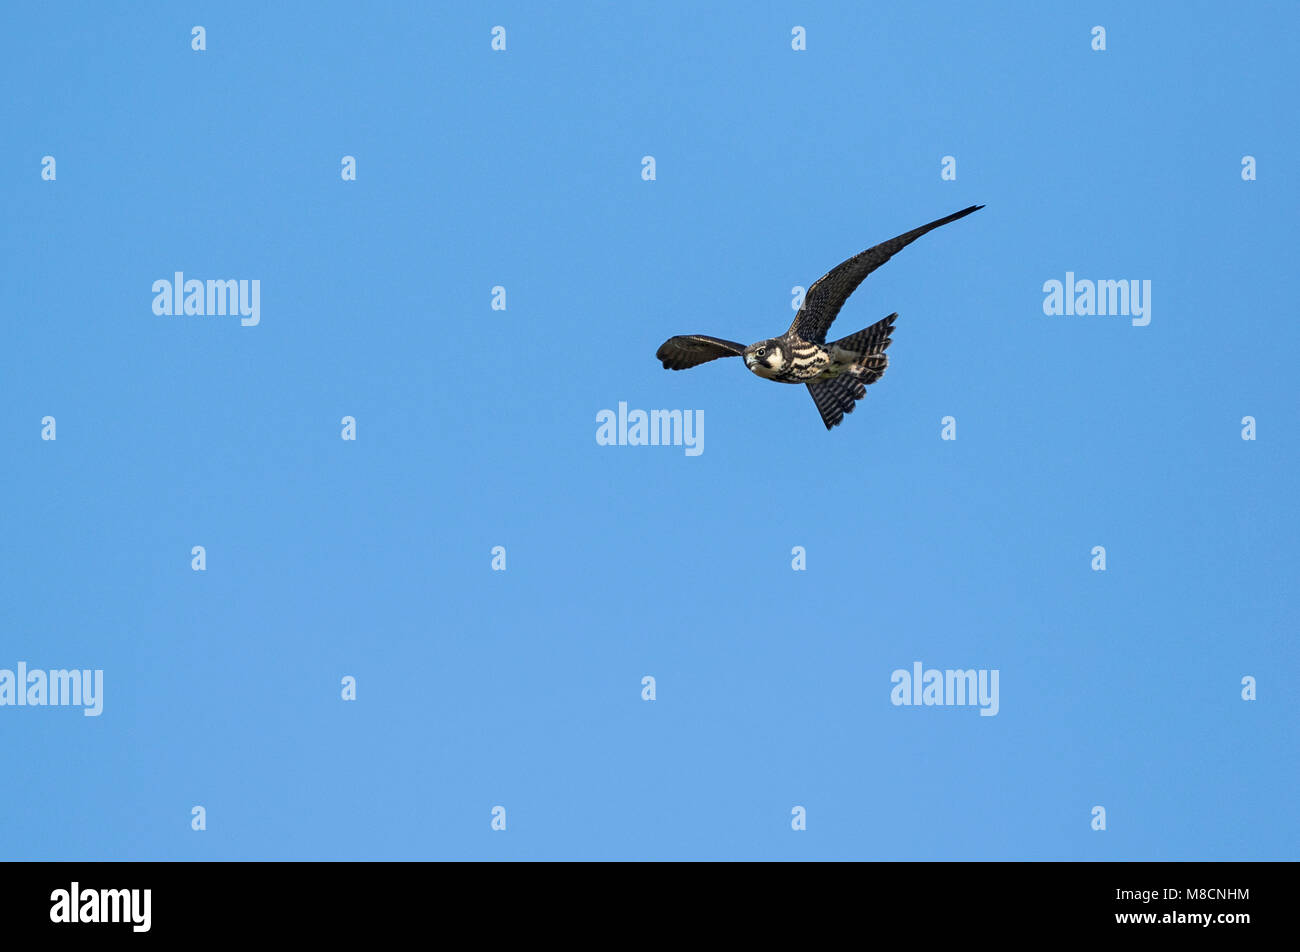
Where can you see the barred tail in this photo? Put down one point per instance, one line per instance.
(870, 340)
(838, 396)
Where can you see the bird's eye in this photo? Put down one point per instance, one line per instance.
(762, 352)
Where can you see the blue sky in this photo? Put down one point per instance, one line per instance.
(476, 428)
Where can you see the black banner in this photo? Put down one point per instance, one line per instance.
(1222, 902)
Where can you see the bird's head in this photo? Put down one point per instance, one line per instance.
(766, 358)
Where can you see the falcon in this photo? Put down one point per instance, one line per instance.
(838, 373)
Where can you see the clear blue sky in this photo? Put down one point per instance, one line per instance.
(476, 428)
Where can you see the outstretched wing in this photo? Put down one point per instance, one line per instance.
(827, 295)
(678, 353)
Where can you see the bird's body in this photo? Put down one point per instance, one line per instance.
(837, 373)
(790, 359)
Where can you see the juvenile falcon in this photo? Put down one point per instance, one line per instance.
(837, 374)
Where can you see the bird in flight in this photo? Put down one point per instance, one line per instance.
(838, 373)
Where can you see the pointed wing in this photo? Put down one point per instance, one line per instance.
(827, 295)
(688, 350)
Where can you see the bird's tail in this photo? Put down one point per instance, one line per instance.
(870, 345)
(866, 349)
